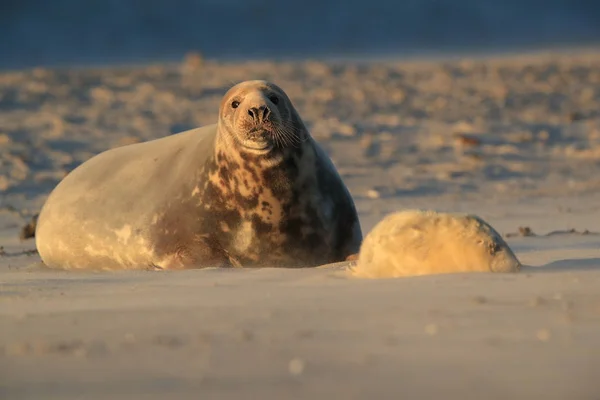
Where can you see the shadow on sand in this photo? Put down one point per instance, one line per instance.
(567, 265)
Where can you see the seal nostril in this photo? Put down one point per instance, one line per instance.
(266, 113)
(252, 112)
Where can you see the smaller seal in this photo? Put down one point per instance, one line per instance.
(416, 242)
(254, 189)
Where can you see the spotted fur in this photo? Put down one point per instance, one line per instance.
(285, 207)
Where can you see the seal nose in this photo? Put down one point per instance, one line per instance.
(259, 114)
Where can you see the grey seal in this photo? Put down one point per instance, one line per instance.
(254, 189)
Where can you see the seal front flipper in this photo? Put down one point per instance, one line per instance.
(203, 252)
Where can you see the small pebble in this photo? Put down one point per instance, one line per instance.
(543, 335)
(568, 317)
(464, 140)
(305, 334)
(168, 341)
(129, 337)
(558, 296)
(537, 301)
(296, 366)
(431, 329)
(96, 349)
(18, 349)
(566, 305)
(246, 335)
(373, 194)
(4, 139)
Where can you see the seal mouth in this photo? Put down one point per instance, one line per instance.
(258, 140)
(258, 146)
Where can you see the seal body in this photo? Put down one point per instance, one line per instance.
(415, 242)
(252, 190)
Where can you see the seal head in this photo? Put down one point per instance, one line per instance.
(258, 119)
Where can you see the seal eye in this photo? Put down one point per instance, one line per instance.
(235, 104)
(274, 99)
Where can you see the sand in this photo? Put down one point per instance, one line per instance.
(513, 139)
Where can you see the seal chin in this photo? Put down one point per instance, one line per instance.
(258, 147)
(257, 141)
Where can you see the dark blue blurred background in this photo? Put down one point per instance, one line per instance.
(59, 32)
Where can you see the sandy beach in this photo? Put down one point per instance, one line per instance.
(514, 139)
